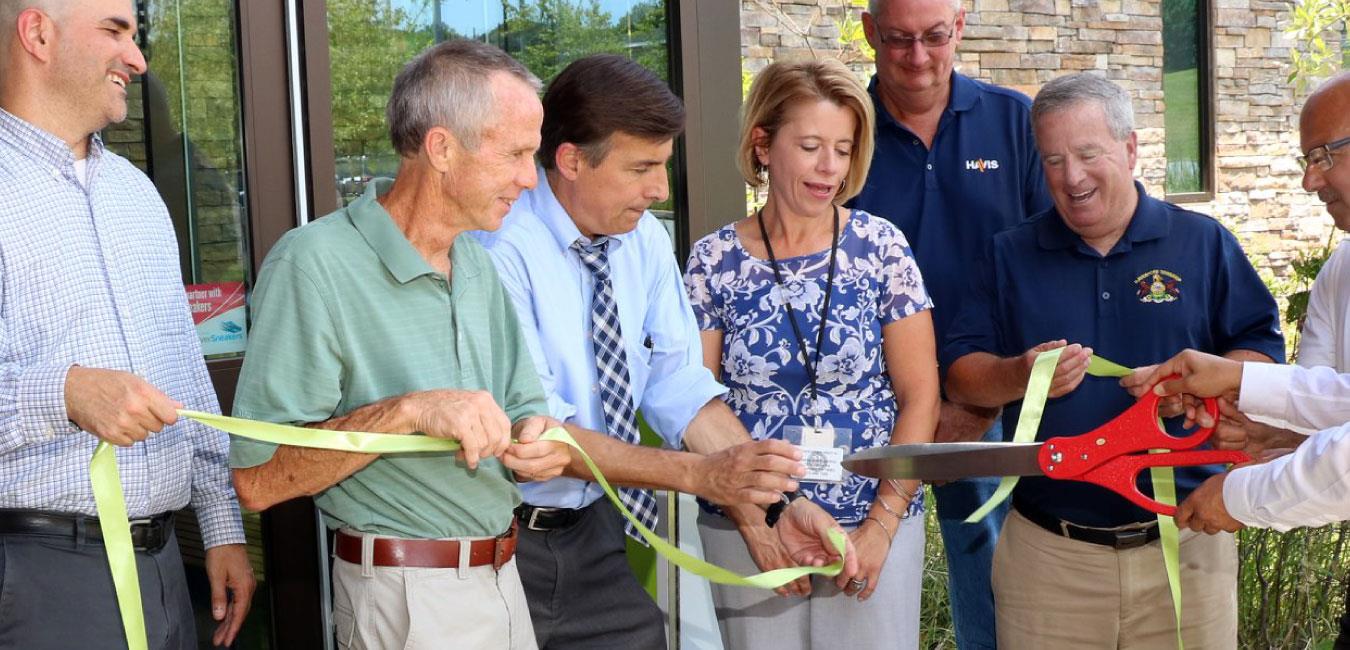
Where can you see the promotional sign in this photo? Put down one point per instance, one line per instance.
(218, 311)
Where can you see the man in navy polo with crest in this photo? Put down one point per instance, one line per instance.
(1109, 270)
(955, 163)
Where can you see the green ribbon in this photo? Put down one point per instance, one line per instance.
(112, 511)
(112, 520)
(1164, 478)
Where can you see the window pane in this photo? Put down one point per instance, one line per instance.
(370, 40)
(184, 130)
(1181, 93)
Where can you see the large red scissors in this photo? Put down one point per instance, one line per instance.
(1112, 455)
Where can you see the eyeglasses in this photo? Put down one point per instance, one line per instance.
(1321, 156)
(902, 42)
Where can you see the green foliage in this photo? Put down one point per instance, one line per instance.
(1291, 586)
(1309, 24)
(852, 39)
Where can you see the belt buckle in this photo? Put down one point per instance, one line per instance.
(1127, 539)
(534, 518)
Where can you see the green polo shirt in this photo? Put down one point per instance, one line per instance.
(346, 313)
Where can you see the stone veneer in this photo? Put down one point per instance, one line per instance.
(1024, 43)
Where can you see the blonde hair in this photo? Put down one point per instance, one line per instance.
(780, 85)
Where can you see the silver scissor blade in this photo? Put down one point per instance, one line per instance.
(947, 461)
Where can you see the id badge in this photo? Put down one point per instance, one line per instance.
(823, 449)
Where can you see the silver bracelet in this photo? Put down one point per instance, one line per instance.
(889, 535)
(887, 507)
(895, 485)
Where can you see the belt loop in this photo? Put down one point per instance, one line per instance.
(367, 555)
(79, 533)
(465, 548)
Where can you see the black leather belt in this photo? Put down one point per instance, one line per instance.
(544, 519)
(1123, 537)
(146, 534)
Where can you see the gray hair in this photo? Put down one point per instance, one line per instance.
(448, 85)
(873, 4)
(1070, 90)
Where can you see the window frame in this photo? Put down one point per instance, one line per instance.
(1204, 16)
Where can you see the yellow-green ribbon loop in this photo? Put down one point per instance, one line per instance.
(1028, 423)
(112, 520)
(112, 509)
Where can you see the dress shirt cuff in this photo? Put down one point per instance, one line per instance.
(42, 402)
(220, 522)
(1265, 389)
(1236, 488)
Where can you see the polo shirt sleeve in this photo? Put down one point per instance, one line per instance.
(1245, 316)
(679, 384)
(292, 369)
(515, 370)
(511, 272)
(976, 327)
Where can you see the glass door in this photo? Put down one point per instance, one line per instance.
(184, 130)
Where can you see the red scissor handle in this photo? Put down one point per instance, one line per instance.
(1114, 454)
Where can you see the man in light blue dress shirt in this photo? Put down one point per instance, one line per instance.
(609, 128)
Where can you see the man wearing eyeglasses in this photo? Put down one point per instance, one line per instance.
(955, 163)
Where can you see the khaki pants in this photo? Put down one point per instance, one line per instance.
(1055, 592)
(382, 608)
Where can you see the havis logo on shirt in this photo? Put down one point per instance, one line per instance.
(981, 165)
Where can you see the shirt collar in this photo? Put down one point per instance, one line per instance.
(43, 146)
(964, 96)
(389, 243)
(544, 204)
(1149, 221)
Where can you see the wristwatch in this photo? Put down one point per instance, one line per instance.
(775, 509)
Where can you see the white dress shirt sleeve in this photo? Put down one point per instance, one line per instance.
(1310, 487)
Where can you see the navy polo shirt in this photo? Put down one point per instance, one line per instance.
(1175, 280)
(981, 176)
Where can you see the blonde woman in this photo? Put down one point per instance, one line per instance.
(816, 318)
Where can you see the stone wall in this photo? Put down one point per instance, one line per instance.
(1024, 43)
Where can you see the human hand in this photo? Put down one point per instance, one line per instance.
(470, 416)
(228, 570)
(1069, 371)
(117, 407)
(769, 554)
(1137, 383)
(874, 544)
(1202, 375)
(1236, 431)
(532, 459)
(1204, 511)
(751, 472)
(804, 530)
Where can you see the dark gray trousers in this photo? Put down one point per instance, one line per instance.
(581, 592)
(55, 593)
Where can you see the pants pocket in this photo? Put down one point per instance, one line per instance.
(345, 608)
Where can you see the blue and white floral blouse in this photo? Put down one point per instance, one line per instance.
(876, 282)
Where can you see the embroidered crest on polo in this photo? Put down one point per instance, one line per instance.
(981, 165)
(1158, 286)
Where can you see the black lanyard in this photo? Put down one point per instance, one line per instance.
(810, 366)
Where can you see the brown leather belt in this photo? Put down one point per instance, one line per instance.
(429, 553)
